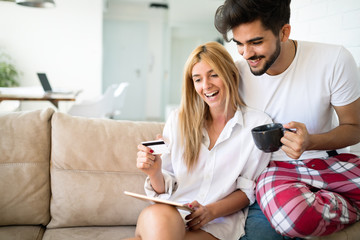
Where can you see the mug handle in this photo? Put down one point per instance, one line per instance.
(289, 130)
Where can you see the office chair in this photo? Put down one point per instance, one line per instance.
(103, 107)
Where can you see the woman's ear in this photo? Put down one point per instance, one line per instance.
(285, 32)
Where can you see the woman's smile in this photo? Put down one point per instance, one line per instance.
(212, 94)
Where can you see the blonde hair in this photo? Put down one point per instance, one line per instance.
(194, 112)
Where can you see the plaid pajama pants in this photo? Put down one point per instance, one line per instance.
(312, 197)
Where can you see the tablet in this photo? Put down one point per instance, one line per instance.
(158, 200)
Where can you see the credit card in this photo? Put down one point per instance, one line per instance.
(158, 146)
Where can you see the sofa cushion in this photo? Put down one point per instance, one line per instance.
(93, 161)
(24, 167)
(352, 232)
(22, 232)
(93, 233)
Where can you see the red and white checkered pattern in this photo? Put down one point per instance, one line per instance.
(312, 197)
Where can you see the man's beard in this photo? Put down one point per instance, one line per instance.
(268, 63)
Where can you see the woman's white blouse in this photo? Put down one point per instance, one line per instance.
(233, 163)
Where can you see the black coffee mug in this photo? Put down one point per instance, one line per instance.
(267, 137)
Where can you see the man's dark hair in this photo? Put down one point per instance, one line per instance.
(273, 14)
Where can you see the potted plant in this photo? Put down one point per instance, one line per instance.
(8, 73)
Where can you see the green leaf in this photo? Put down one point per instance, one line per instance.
(8, 72)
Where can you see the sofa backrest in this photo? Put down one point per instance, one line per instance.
(93, 161)
(24, 167)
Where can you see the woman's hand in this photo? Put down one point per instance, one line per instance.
(201, 216)
(147, 162)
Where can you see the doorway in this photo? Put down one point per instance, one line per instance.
(124, 60)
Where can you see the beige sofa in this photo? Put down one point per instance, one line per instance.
(63, 177)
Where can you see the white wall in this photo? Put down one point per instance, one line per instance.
(329, 21)
(65, 42)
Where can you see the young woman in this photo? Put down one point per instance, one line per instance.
(213, 163)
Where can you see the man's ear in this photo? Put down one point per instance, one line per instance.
(285, 32)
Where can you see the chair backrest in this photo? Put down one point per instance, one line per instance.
(120, 89)
(9, 106)
(109, 99)
(99, 108)
(119, 100)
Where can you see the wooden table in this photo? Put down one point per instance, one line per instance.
(34, 94)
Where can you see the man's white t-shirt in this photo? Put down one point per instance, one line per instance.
(321, 75)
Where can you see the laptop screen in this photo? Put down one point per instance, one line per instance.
(44, 82)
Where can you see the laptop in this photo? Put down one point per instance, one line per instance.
(47, 87)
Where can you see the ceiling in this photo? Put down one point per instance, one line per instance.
(186, 11)
(190, 11)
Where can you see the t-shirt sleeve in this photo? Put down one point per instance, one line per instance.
(346, 80)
